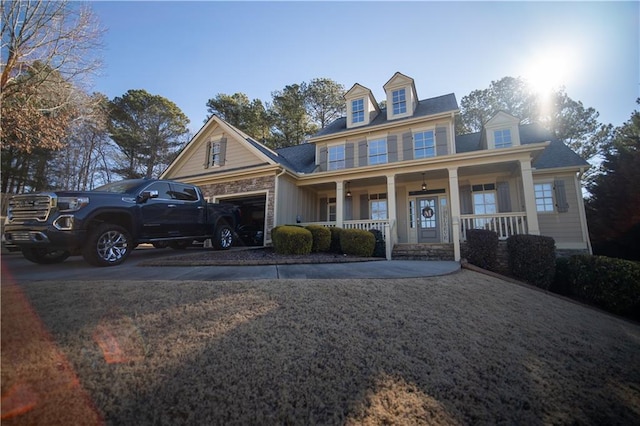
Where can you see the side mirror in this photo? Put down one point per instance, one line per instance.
(146, 195)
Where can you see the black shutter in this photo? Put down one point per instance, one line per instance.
(348, 156)
(392, 148)
(561, 196)
(442, 148)
(323, 158)
(223, 151)
(407, 146)
(323, 209)
(364, 206)
(466, 203)
(362, 153)
(504, 198)
(348, 208)
(207, 155)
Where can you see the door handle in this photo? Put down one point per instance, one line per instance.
(171, 206)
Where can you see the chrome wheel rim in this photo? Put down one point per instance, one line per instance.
(112, 246)
(226, 238)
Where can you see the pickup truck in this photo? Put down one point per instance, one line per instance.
(104, 225)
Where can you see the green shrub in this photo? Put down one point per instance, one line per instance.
(562, 279)
(321, 237)
(357, 242)
(335, 239)
(482, 248)
(532, 258)
(380, 248)
(612, 284)
(291, 240)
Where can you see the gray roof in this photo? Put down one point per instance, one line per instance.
(557, 154)
(425, 107)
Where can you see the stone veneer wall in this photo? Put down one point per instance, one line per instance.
(238, 187)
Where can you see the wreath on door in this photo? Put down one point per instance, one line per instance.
(427, 212)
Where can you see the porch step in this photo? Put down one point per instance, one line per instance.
(439, 251)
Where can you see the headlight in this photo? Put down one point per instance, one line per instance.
(71, 204)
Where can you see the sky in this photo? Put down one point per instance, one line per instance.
(188, 52)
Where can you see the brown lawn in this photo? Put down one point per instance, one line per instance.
(460, 349)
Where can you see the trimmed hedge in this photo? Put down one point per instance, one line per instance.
(380, 248)
(321, 238)
(482, 248)
(532, 258)
(610, 283)
(290, 239)
(335, 239)
(357, 242)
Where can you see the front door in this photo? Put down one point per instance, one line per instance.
(428, 220)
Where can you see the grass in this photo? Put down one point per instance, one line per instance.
(460, 349)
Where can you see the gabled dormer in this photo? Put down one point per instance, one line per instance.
(501, 131)
(402, 97)
(362, 107)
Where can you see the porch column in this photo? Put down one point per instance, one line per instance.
(391, 198)
(339, 203)
(454, 200)
(529, 197)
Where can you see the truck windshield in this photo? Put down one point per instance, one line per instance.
(121, 187)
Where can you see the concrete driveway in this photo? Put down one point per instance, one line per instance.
(15, 267)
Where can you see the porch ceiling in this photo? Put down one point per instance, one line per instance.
(489, 169)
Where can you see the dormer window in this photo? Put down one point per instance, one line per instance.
(502, 138)
(357, 111)
(336, 157)
(399, 100)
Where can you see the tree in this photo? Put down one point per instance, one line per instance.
(324, 101)
(613, 209)
(292, 122)
(148, 130)
(44, 43)
(569, 120)
(249, 116)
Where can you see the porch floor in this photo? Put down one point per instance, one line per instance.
(433, 251)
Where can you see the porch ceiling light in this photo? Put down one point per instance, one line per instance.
(424, 185)
(348, 190)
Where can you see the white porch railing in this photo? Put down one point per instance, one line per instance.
(504, 224)
(385, 226)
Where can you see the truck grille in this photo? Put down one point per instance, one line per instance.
(29, 207)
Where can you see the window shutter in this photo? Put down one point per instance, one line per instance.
(504, 197)
(362, 153)
(561, 196)
(392, 148)
(207, 155)
(466, 205)
(323, 158)
(223, 151)
(348, 208)
(323, 209)
(364, 206)
(348, 156)
(407, 146)
(442, 147)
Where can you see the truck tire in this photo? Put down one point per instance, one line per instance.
(44, 256)
(223, 237)
(107, 245)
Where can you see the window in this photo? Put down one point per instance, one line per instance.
(183, 192)
(544, 197)
(502, 138)
(215, 154)
(399, 101)
(331, 210)
(412, 213)
(336, 157)
(163, 188)
(378, 152)
(424, 144)
(378, 206)
(484, 203)
(357, 111)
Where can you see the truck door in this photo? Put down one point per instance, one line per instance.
(190, 210)
(159, 220)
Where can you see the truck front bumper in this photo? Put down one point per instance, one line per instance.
(45, 237)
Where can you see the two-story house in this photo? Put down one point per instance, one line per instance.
(399, 169)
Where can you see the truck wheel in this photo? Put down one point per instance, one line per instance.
(223, 237)
(107, 245)
(180, 244)
(44, 256)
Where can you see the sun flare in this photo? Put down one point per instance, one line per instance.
(550, 69)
